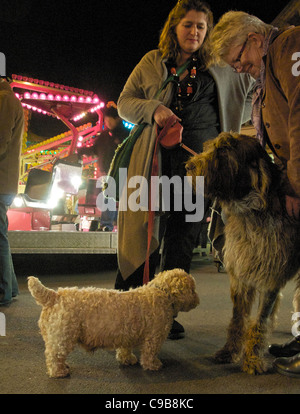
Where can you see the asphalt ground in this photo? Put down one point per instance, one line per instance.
(188, 367)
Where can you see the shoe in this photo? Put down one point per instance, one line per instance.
(177, 331)
(6, 303)
(289, 349)
(288, 366)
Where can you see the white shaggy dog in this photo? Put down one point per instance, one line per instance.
(111, 319)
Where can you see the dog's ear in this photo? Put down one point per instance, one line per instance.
(261, 179)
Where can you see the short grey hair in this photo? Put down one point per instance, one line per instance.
(231, 31)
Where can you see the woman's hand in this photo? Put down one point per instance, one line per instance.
(162, 114)
(292, 205)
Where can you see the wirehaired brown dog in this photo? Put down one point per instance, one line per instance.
(262, 243)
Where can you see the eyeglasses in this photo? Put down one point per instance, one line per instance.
(238, 59)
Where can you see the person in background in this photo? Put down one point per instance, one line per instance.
(206, 101)
(270, 55)
(104, 148)
(11, 132)
(106, 141)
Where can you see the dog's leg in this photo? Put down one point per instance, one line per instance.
(242, 298)
(274, 313)
(56, 361)
(57, 348)
(296, 298)
(149, 353)
(296, 308)
(125, 356)
(255, 341)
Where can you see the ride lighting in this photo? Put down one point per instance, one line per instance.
(55, 195)
(18, 202)
(65, 98)
(76, 181)
(128, 125)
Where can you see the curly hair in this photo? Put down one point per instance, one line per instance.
(168, 43)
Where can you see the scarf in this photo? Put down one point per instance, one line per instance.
(259, 88)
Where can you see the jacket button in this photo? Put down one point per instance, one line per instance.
(263, 105)
(277, 146)
(267, 125)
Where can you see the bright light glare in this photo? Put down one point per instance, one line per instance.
(18, 201)
(76, 181)
(56, 194)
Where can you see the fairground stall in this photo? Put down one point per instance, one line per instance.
(57, 196)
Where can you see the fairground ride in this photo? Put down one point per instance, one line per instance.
(37, 223)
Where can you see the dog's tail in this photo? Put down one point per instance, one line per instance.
(42, 295)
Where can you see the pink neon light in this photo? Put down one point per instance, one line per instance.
(50, 97)
(27, 95)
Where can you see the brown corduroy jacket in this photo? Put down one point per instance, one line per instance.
(281, 103)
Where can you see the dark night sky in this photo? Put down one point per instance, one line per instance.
(94, 44)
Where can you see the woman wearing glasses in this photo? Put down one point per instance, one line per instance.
(272, 57)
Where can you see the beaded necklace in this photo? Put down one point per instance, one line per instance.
(185, 87)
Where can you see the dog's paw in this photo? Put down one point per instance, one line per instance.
(126, 358)
(254, 366)
(153, 365)
(62, 373)
(223, 356)
(131, 360)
